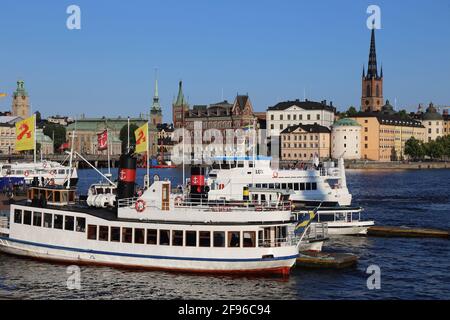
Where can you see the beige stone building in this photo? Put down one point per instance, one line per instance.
(433, 122)
(7, 138)
(346, 139)
(20, 103)
(304, 142)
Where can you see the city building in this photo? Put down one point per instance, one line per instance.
(155, 121)
(61, 120)
(20, 103)
(446, 118)
(304, 142)
(165, 139)
(291, 113)
(433, 122)
(346, 139)
(372, 82)
(179, 108)
(7, 138)
(384, 135)
(86, 130)
(46, 143)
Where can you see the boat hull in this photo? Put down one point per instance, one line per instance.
(349, 228)
(276, 266)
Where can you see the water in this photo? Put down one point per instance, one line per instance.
(410, 268)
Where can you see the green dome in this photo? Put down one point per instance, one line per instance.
(346, 122)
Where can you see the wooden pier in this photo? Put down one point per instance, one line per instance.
(404, 232)
(323, 260)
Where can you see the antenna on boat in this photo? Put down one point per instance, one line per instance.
(71, 155)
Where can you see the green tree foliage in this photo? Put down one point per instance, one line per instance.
(57, 131)
(351, 111)
(414, 149)
(123, 136)
(434, 150)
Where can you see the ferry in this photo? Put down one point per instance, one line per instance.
(158, 230)
(312, 185)
(41, 172)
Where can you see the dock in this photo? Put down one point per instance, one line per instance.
(405, 232)
(323, 260)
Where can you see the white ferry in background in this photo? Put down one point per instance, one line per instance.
(324, 184)
(44, 172)
(157, 230)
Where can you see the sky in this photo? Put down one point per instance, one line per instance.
(272, 50)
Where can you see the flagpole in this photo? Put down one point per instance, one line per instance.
(35, 144)
(148, 153)
(107, 147)
(128, 123)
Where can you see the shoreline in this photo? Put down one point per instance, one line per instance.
(398, 166)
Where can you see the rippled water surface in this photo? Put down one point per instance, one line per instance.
(410, 268)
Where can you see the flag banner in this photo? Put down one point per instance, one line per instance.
(141, 135)
(3, 95)
(64, 146)
(102, 141)
(25, 134)
(306, 221)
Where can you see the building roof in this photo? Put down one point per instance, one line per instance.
(388, 109)
(432, 114)
(346, 122)
(10, 119)
(96, 124)
(311, 128)
(307, 105)
(20, 91)
(386, 119)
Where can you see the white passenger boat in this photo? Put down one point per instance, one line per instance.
(157, 230)
(43, 172)
(311, 185)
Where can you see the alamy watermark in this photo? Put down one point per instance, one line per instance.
(374, 280)
(74, 279)
(73, 22)
(374, 20)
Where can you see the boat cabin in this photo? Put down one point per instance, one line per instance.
(43, 196)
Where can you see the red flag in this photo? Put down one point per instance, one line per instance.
(64, 146)
(102, 140)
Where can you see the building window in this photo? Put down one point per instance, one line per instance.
(139, 236)
(191, 238)
(318, 117)
(92, 232)
(234, 239)
(281, 117)
(219, 239)
(309, 117)
(272, 117)
(103, 233)
(115, 234)
(127, 235)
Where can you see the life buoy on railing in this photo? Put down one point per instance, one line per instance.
(275, 174)
(140, 205)
(178, 201)
(26, 173)
(259, 208)
(53, 172)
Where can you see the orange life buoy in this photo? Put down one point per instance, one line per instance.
(178, 201)
(26, 173)
(140, 205)
(275, 174)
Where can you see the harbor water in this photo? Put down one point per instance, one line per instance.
(410, 268)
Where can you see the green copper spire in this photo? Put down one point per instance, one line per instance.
(180, 99)
(20, 91)
(156, 107)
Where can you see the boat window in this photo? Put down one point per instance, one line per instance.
(103, 233)
(302, 186)
(37, 219)
(249, 239)
(139, 236)
(260, 237)
(18, 216)
(27, 217)
(290, 186)
(81, 224)
(271, 186)
(69, 223)
(99, 190)
(205, 238)
(191, 238)
(263, 197)
(283, 186)
(115, 234)
(219, 239)
(314, 185)
(264, 185)
(57, 196)
(254, 197)
(308, 186)
(127, 235)
(277, 186)
(240, 164)
(296, 186)
(164, 237)
(58, 221)
(250, 164)
(48, 219)
(152, 236)
(258, 185)
(234, 239)
(177, 238)
(92, 232)
(61, 171)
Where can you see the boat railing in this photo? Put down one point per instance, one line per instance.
(316, 231)
(4, 222)
(288, 241)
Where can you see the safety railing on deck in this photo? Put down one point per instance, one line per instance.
(4, 222)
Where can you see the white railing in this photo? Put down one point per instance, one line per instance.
(226, 206)
(4, 222)
(316, 231)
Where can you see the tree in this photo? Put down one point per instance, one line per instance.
(414, 149)
(351, 111)
(57, 132)
(123, 136)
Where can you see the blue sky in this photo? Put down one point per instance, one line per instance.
(272, 50)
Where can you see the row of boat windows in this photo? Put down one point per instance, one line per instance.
(21, 172)
(48, 220)
(181, 238)
(287, 186)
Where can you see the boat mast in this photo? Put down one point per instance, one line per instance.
(71, 155)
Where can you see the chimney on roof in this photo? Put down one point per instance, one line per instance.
(325, 102)
(297, 100)
(331, 103)
(445, 112)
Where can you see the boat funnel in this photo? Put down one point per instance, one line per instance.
(127, 176)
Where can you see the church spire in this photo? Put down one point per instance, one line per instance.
(156, 107)
(180, 98)
(372, 71)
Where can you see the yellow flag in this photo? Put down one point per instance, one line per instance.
(141, 135)
(2, 95)
(25, 134)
